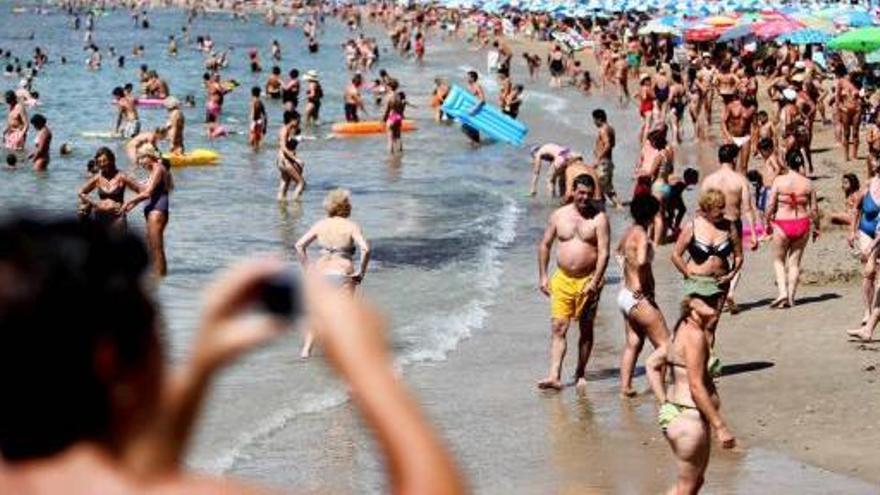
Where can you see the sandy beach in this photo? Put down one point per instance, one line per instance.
(454, 239)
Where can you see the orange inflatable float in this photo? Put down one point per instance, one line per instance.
(367, 127)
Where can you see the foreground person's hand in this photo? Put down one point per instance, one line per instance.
(227, 329)
(225, 332)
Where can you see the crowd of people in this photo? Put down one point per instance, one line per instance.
(760, 191)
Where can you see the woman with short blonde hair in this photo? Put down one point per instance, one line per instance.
(339, 238)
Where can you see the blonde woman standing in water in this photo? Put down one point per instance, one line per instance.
(339, 237)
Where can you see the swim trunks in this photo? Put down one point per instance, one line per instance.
(605, 169)
(567, 298)
(740, 141)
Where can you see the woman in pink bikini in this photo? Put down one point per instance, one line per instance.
(791, 211)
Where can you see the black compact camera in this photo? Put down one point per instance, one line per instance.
(282, 294)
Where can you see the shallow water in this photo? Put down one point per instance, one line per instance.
(450, 228)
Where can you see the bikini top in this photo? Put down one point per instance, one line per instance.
(793, 200)
(700, 250)
(117, 194)
(343, 251)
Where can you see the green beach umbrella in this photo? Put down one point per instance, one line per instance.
(858, 40)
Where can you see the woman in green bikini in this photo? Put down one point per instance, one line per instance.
(689, 402)
(710, 242)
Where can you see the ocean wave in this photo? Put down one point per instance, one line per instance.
(270, 425)
(443, 333)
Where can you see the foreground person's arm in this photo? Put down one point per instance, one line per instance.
(225, 332)
(352, 336)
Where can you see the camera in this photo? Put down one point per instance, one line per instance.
(282, 294)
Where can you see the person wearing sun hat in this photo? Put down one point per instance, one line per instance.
(314, 94)
(174, 125)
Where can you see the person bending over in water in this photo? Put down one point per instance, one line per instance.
(641, 315)
(791, 211)
(554, 153)
(338, 236)
(582, 230)
(689, 403)
(290, 165)
(129, 416)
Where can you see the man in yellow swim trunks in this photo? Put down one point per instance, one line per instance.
(581, 227)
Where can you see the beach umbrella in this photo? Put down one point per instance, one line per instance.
(719, 20)
(857, 18)
(861, 40)
(657, 28)
(735, 33)
(704, 33)
(806, 36)
(772, 29)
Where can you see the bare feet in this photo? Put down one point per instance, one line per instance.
(779, 303)
(628, 393)
(550, 384)
(860, 333)
(731, 306)
(580, 385)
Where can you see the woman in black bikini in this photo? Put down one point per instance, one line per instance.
(290, 166)
(111, 185)
(710, 241)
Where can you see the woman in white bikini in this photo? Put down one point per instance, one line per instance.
(641, 315)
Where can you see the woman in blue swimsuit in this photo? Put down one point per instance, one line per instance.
(155, 192)
(864, 228)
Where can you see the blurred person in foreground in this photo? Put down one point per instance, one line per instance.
(90, 405)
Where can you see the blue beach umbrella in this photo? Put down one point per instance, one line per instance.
(856, 18)
(735, 33)
(806, 36)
